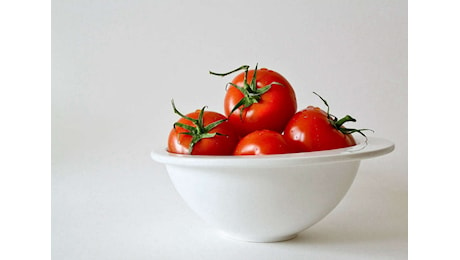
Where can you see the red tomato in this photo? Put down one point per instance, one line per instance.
(262, 142)
(202, 133)
(310, 130)
(266, 101)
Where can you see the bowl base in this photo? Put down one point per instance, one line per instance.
(260, 240)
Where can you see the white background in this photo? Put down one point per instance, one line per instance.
(117, 64)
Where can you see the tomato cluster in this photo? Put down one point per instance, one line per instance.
(260, 117)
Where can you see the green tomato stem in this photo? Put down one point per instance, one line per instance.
(198, 130)
(338, 123)
(251, 94)
(244, 67)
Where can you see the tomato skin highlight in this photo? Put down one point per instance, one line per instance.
(223, 144)
(262, 142)
(271, 112)
(310, 130)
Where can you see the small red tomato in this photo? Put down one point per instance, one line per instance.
(312, 129)
(262, 142)
(259, 99)
(202, 133)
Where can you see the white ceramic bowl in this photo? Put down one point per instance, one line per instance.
(271, 197)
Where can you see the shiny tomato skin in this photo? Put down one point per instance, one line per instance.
(273, 110)
(218, 145)
(262, 142)
(309, 130)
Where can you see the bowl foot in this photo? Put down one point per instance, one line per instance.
(260, 240)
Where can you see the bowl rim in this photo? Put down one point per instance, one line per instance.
(373, 147)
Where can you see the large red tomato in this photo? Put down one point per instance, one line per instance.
(259, 99)
(313, 129)
(262, 142)
(202, 133)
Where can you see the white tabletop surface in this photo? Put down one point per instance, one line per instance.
(122, 205)
(119, 204)
(117, 64)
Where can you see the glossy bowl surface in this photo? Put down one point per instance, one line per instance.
(267, 198)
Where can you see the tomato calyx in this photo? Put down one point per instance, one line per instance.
(338, 123)
(198, 131)
(251, 94)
